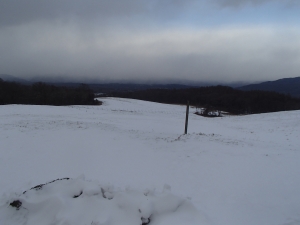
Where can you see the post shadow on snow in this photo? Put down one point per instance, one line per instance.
(18, 203)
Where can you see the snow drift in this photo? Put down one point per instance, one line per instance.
(77, 202)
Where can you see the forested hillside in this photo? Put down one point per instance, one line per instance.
(219, 97)
(289, 86)
(44, 94)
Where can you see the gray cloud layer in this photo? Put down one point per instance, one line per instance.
(131, 39)
(225, 54)
(15, 12)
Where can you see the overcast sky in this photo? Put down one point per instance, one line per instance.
(151, 40)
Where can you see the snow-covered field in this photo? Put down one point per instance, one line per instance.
(129, 162)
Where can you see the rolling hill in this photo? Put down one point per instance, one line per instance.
(129, 164)
(289, 86)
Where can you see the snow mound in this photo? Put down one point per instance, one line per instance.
(79, 202)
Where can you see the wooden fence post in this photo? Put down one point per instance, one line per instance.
(187, 117)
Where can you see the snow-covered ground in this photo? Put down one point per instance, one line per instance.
(124, 156)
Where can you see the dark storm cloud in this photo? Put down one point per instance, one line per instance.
(238, 3)
(103, 12)
(15, 12)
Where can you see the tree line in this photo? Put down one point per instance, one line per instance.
(219, 97)
(45, 94)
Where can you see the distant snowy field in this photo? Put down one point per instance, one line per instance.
(129, 162)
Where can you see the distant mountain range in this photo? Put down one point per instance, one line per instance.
(11, 78)
(289, 86)
(105, 87)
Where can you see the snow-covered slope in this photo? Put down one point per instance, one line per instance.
(229, 170)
